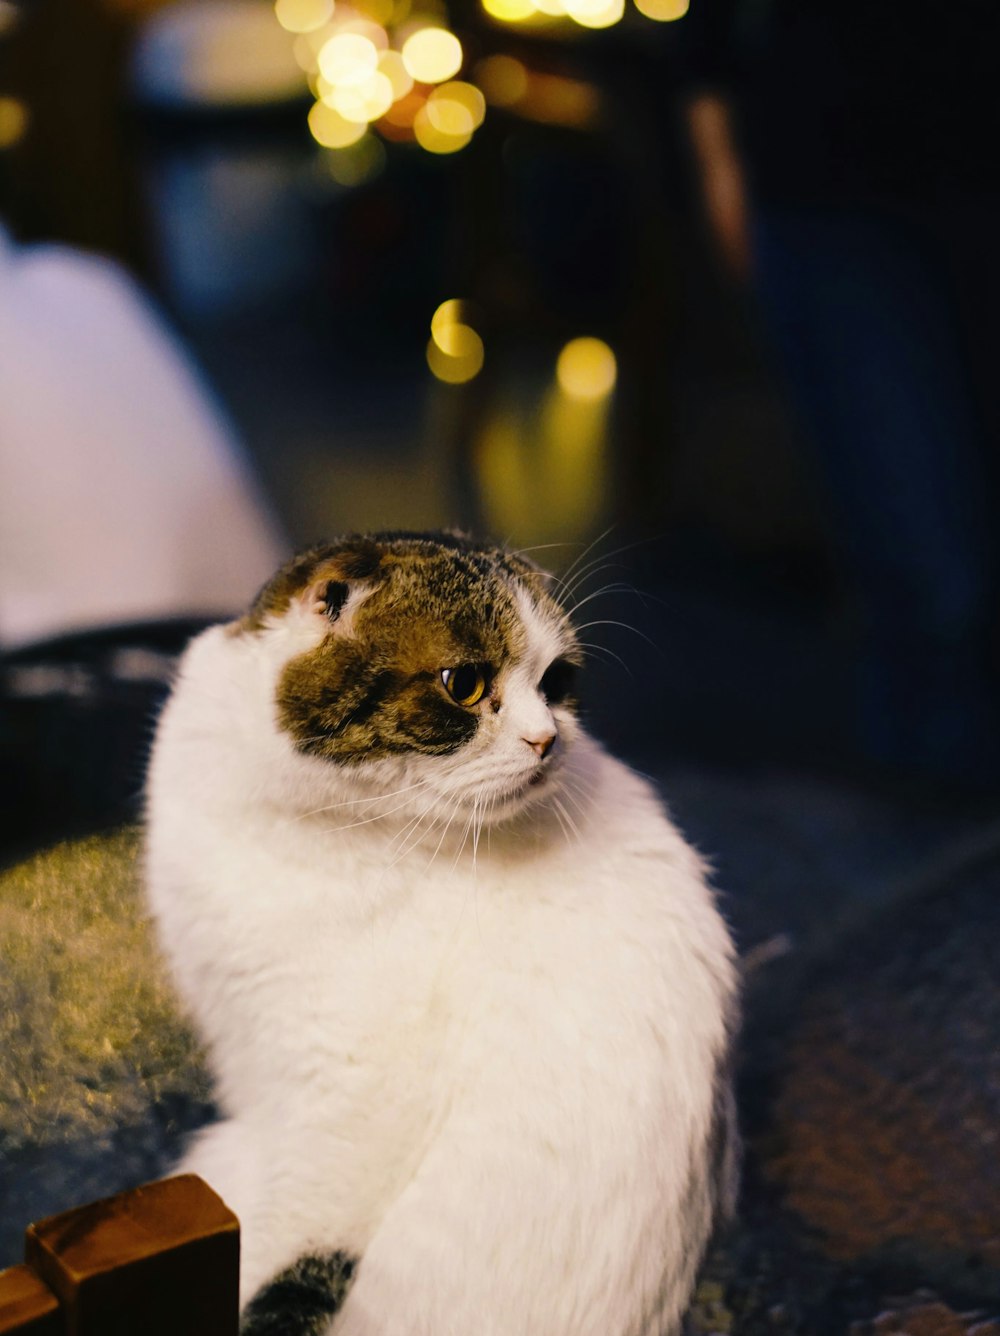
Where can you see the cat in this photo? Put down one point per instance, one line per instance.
(466, 995)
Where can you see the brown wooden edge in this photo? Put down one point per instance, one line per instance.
(158, 1260)
(27, 1305)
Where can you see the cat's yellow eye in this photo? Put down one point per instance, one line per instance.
(466, 685)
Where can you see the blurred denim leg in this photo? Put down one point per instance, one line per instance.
(858, 308)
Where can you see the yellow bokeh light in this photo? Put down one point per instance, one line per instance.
(456, 108)
(432, 55)
(348, 58)
(308, 45)
(303, 15)
(381, 12)
(596, 13)
(428, 136)
(663, 11)
(451, 312)
(13, 121)
(455, 368)
(331, 129)
(503, 79)
(390, 63)
(455, 351)
(365, 27)
(362, 102)
(510, 11)
(586, 369)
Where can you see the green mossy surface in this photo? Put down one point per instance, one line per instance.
(90, 1033)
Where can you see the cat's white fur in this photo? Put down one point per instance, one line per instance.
(480, 1056)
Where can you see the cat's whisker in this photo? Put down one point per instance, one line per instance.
(568, 574)
(616, 587)
(354, 802)
(625, 626)
(608, 653)
(366, 821)
(415, 836)
(561, 810)
(584, 572)
(451, 814)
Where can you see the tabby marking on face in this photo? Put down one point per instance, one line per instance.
(402, 612)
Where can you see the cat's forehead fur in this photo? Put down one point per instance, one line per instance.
(416, 603)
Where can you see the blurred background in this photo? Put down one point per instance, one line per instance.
(698, 304)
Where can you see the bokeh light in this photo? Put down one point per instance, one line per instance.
(429, 137)
(510, 11)
(586, 369)
(455, 351)
(13, 121)
(596, 13)
(390, 63)
(432, 55)
(348, 58)
(303, 15)
(362, 102)
(456, 108)
(503, 80)
(663, 11)
(332, 130)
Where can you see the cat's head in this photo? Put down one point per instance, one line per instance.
(427, 660)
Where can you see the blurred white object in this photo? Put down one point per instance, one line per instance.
(123, 494)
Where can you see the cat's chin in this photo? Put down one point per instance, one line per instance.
(509, 799)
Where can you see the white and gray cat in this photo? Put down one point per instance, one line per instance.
(464, 989)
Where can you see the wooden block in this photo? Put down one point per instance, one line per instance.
(160, 1260)
(27, 1305)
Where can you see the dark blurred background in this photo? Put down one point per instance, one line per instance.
(713, 295)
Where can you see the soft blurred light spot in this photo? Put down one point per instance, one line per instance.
(586, 369)
(348, 58)
(365, 27)
(390, 63)
(456, 108)
(555, 100)
(510, 11)
(432, 55)
(397, 123)
(458, 367)
(331, 129)
(13, 121)
(503, 79)
(10, 15)
(455, 351)
(450, 312)
(663, 11)
(363, 102)
(303, 15)
(382, 12)
(356, 163)
(596, 13)
(432, 139)
(308, 45)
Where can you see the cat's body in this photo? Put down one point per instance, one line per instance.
(466, 996)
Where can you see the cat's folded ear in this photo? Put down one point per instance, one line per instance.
(331, 596)
(328, 581)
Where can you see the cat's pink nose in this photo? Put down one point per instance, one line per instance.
(541, 745)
